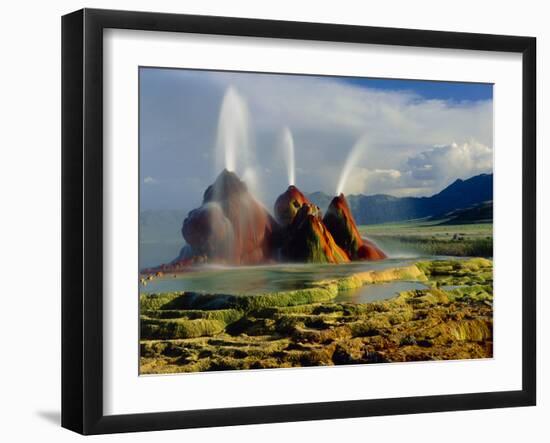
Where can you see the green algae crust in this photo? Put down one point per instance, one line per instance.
(189, 332)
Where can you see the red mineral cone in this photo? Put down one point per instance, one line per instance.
(288, 204)
(231, 226)
(339, 221)
(308, 240)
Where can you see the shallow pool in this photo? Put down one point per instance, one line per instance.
(376, 292)
(262, 279)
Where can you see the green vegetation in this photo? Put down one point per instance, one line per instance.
(451, 319)
(427, 237)
(179, 328)
(156, 301)
(467, 273)
(225, 315)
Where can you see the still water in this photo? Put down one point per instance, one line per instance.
(281, 277)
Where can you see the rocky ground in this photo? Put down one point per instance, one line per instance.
(451, 319)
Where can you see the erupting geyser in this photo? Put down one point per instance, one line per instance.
(353, 157)
(287, 146)
(339, 221)
(233, 140)
(231, 226)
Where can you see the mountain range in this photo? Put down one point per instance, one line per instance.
(474, 194)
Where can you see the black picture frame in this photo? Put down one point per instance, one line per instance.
(82, 218)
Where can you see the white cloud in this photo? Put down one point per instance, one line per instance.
(441, 165)
(372, 181)
(387, 117)
(327, 117)
(149, 180)
(425, 173)
(416, 146)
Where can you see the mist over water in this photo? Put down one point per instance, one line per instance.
(260, 279)
(353, 157)
(233, 137)
(287, 147)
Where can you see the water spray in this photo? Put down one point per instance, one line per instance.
(233, 131)
(353, 157)
(287, 146)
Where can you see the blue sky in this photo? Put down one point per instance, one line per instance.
(454, 91)
(410, 137)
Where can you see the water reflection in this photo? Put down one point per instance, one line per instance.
(261, 279)
(377, 292)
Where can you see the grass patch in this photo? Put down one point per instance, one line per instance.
(432, 246)
(149, 302)
(179, 328)
(433, 238)
(225, 315)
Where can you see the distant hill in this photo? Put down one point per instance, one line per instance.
(381, 208)
(480, 213)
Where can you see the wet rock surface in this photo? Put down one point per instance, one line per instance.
(341, 224)
(231, 226)
(288, 204)
(308, 240)
(193, 332)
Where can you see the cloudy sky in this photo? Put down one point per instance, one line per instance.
(407, 137)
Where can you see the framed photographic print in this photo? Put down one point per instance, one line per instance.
(269, 221)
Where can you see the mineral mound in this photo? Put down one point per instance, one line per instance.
(308, 240)
(288, 204)
(339, 221)
(231, 226)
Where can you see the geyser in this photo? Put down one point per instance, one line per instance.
(352, 159)
(231, 226)
(287, 147)
(233, 137)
